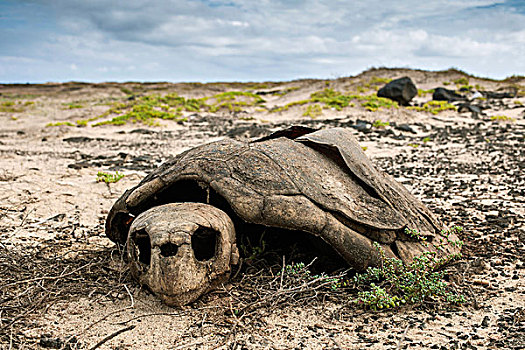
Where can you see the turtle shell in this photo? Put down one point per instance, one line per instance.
(316, 181)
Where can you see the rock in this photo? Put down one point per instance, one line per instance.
(401, 90)
(467, 107)
(405, 127)
(442, 94)
(362, 125)
(497, 95)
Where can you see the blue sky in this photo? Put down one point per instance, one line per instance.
(254, 40)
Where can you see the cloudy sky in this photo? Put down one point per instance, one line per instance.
(254, 40)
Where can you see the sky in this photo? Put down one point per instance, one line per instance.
(254, 40)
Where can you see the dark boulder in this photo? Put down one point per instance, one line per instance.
(401, 90)
(442, 94)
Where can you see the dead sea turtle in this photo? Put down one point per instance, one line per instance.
(178, 222)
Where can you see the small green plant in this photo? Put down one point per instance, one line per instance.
(108, 177)
(73, 105)
(373, 103)
(298, 273)
(466, 87)
(434, 107)
(421, 92)
(502, 118)
(380, 124)
(313, 111)
(60, 124)
(331, 98)
(518, 103)
(426, 139)
(394, 283)
(414, 145)
(290, 105)
(10, 107)
(461, 81)
(446, 83)
(126, 91)
(251, 251)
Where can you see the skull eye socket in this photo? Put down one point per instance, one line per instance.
(168, 249)
(204, 243)
(142, 249)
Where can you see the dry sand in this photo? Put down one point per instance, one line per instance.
(469, 171)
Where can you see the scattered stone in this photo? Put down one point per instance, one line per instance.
(497, 95)
(405, 127)
(442, 94)
(467, 107)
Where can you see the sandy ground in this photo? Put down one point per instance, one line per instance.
(468, 169)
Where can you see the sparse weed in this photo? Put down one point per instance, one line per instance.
(461, 81)
(11, 107)
(380, 124)
(373, 103)
(421, 92)
(502, 118)
(313, 111)
(108, 177)
(394, 283)
(60, 124)
(434, 107)
(149, 109)
(72, 105)
(337, 100)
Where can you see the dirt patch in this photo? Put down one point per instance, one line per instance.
(64, 285)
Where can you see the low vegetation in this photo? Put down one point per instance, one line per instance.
(434, 107)
(150, 109)
(502, 118)
(60, 124)
(14, 107)
(337, 100)
(392, 284)
(313, 111)
(73, 105)
(109, 177)
(423, 280)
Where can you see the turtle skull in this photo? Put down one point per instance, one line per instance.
(182, 250)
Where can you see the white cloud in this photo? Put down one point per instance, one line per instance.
(269, 39)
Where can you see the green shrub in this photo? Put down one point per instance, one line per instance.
(108, 177)
(393, 283)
